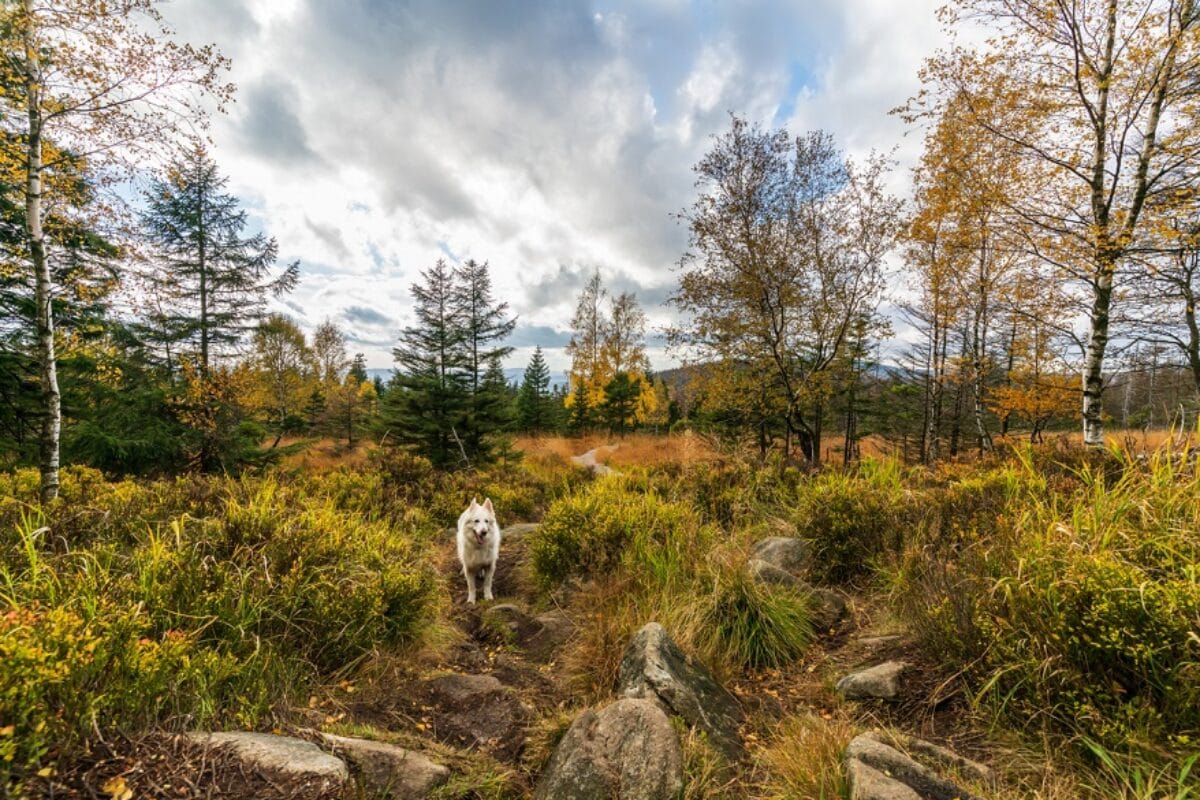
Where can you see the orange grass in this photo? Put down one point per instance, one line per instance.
(645, 449)
(324, 455)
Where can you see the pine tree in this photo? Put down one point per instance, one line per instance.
(217, 279)
(493, 407)
(621, 401)
(314, 409)
(533, 398)
(358, 368)
(426, 404)
(485, 324)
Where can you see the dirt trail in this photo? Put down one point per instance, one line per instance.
(589, 460)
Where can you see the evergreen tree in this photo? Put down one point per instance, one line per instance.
(581, 417)
(216, 279)
(533, 398)
(493, 407)
(485, 325)
(431, 389)
(358, 368)
(620, 401)
(314, 409)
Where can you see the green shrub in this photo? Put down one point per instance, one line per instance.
(851, 518)
(594, 530)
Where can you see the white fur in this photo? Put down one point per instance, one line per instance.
(478, 546)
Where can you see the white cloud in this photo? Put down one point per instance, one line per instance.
(370, 137)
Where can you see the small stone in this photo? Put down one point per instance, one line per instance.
(507, 622)
(880, 682)
(788, 553)
(386, 769)
(627, 750)
(926, 782)
(518, 530)
(868, 783)
(654, 667)
(310, 770)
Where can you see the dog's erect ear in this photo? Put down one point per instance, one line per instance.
(474, 503)
(487, 503)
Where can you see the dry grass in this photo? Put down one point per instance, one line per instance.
(804, 757)
(635, 449)
(324, 455)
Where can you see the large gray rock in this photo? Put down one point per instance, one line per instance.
(880, 682)
(786, 552)
(308, 770)
(628, 750)
(654, 667)
(387, 770)
(883, 768)
(828, 607)
(868, 783)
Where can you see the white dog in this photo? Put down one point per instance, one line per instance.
(478, 546)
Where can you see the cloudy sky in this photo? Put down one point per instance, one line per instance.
(372, 137)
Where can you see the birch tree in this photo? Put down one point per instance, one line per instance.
(1094, 97)
(105, 82)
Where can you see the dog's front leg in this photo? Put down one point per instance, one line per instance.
(469, 574)
(487, 581)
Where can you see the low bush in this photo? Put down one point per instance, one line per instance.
(852, 518)
(592, 531)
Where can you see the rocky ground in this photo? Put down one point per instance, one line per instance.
(492, 701)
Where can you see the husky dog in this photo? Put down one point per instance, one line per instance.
(478, 546)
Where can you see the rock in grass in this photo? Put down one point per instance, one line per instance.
(828, 607)
(904, 768)
(786, 552)
(387, 770)
(880, 682)
(307, 769)
(627, 750)
(654, 667)
(868, 783)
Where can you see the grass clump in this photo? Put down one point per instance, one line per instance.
(746, 623)
(804, 758)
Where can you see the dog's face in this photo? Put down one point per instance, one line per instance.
(480, 520)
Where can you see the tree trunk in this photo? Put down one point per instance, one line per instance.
(48, 446)
(1193, 342)
(1093, 366)
(202, 263)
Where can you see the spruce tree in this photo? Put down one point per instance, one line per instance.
(485, 325)
(425, 406)
(533, 398)
(493, 407)
(216, 279)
